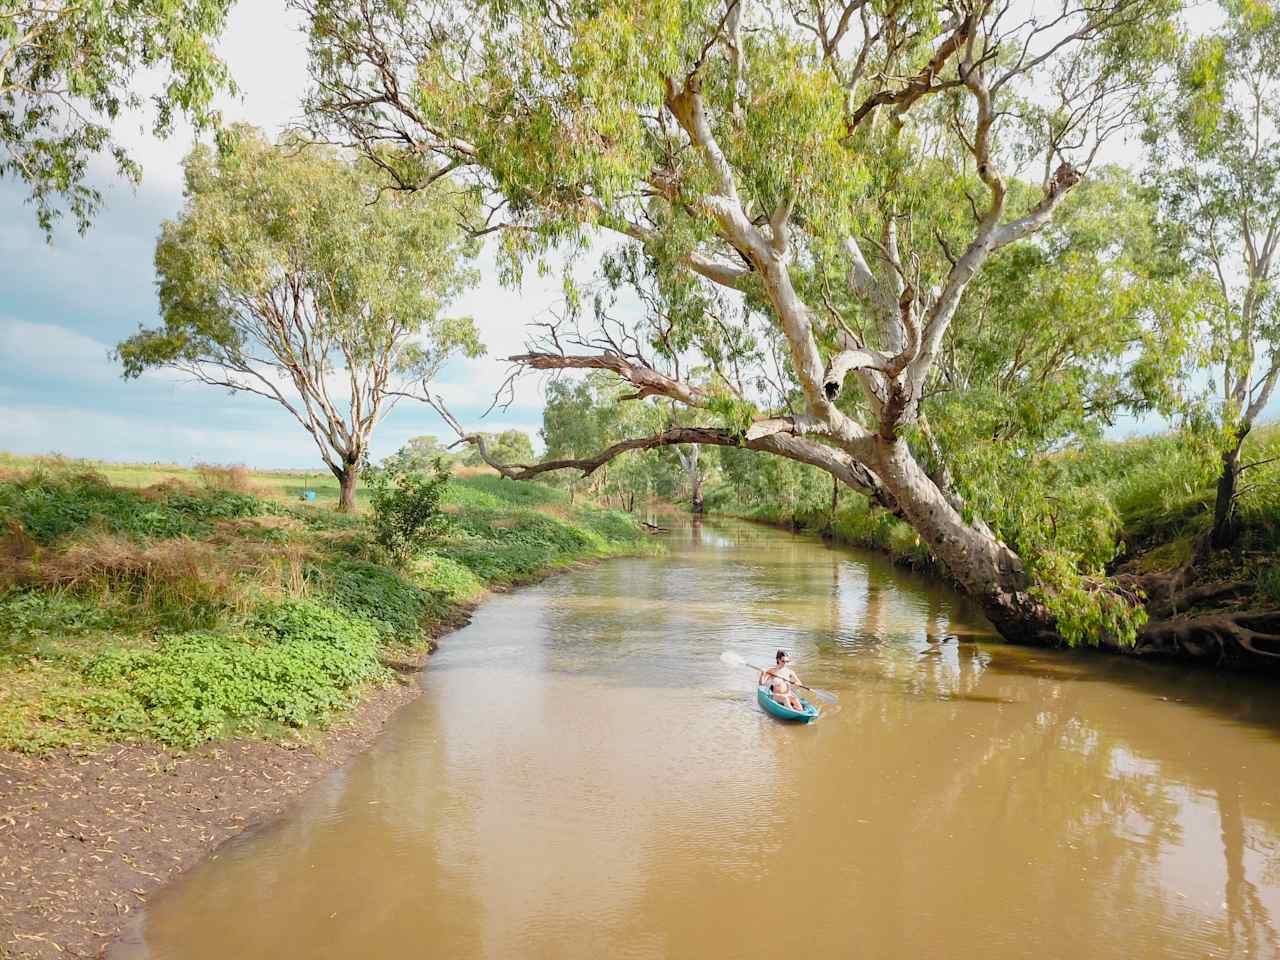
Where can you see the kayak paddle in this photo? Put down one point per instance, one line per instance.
(826, 696)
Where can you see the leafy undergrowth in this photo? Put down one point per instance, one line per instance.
(186, 611)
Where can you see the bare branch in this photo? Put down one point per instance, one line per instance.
(649, 381)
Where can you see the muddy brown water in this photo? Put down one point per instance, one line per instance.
(584, 777)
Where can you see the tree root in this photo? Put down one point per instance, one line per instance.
(1243, 638)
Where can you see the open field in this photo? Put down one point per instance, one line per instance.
(281, 484)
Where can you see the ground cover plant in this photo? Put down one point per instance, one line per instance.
(190, 608)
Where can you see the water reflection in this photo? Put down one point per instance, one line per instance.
(585, 777)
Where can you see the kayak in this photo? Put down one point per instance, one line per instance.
(786, 713)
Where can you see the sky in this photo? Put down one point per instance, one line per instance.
(65, 304)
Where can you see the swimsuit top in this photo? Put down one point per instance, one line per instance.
(777, 682)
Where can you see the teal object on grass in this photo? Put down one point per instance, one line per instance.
(786, 713)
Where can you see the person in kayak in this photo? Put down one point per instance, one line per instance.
(779, 679)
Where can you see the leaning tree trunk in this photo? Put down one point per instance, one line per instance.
(1225, 527)
(978, 560)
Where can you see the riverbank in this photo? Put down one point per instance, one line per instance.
(1154, 496)
(179, 661)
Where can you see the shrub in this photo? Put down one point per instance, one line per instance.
(406, 508)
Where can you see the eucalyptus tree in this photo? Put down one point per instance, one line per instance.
(1216, 158)
(68, 69)
(847, 170)
(292, 274)
(419, 453)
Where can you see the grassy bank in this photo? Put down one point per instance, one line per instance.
(182, 606)
(1159, 491)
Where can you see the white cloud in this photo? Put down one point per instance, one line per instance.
(60, 353)
(52, 350)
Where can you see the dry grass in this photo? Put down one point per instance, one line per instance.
(166, 488)
(233, 477)
(16, 544)
(179, 573)
(481, 471)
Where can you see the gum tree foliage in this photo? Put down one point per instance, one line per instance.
(1216, 158)
(837, 176)
(67, 68)
(419, 453)
(291, 274)
(1094, 319)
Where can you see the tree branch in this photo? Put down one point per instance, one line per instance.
(649, 381)
(778, 437)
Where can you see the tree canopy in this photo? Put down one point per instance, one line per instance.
(290, 274)
(846, 210)
(66, 73)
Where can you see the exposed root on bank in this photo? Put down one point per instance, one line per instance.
(1238, 638)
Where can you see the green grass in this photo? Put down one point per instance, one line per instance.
(285, 485)
(143, 603)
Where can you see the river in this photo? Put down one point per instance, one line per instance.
(584, 777)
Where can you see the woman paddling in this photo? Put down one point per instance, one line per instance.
(778, 680)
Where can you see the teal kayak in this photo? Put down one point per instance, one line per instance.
(786, 713)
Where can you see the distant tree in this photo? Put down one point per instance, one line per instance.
(66, 72)
(581, 417)
(292, 276)
(420, 453)
(509, 446)
(1216, 160)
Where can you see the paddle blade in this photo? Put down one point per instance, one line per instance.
(826, 696)
(732, 659)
